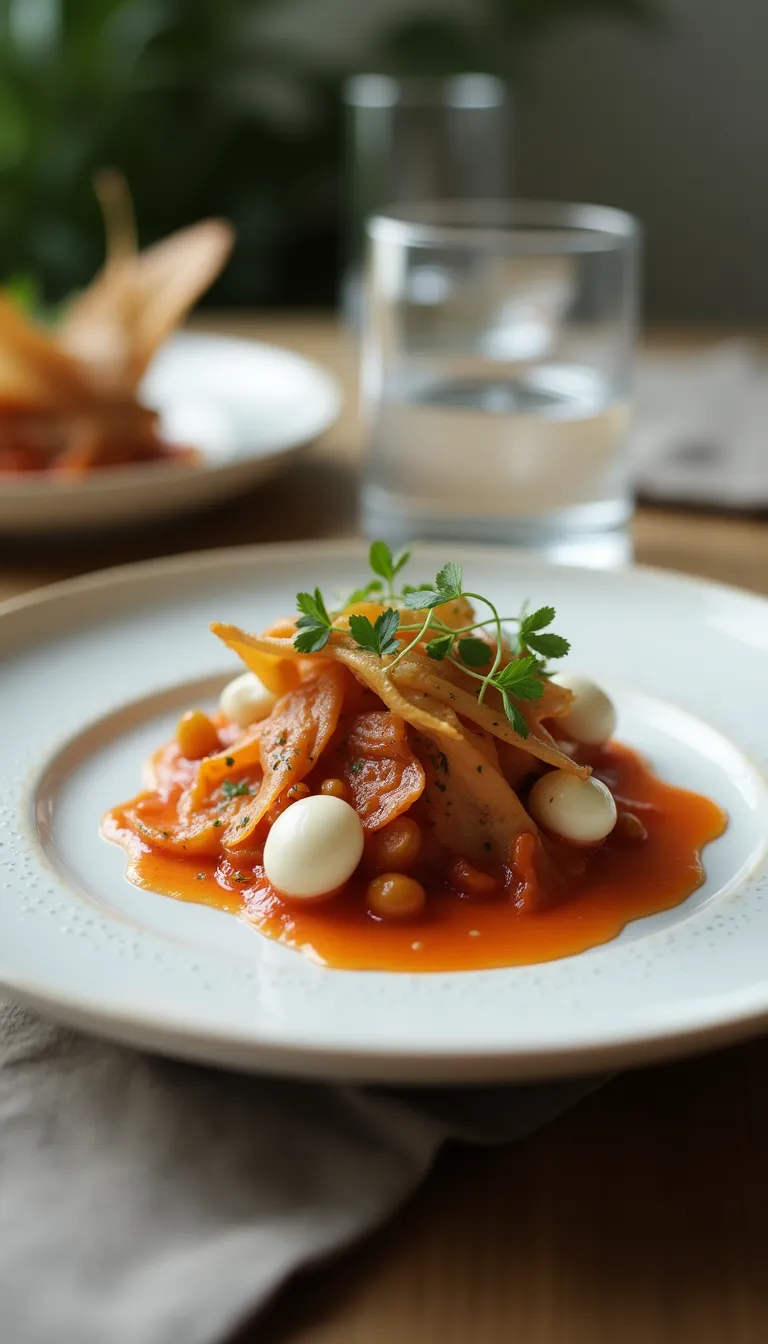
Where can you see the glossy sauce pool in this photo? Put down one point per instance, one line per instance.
(624, 880)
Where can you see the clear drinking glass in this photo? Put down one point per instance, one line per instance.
(420, 139)
(496, 366)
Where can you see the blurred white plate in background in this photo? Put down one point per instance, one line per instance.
(246, 407)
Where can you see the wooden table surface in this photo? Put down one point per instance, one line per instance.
(640, 1217)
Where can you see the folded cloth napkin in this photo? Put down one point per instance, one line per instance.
(699, 427)
(149, 1202)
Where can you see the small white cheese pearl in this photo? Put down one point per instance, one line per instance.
(580, 810)
(313, 847)
(591, 718)
(246, 700)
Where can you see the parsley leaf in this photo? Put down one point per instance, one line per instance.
(313, 608)
(378, 637)
(519, 679)
(314, 625)
(516, 671)
(474, 652)
(446, 589)
(538, 620)
(515, 717)
(421, 599)
(312, 639)
(549, 646)
(440, 648)
(384, 563)
(362, 594)
(449, 581)
(230, 789)
(416, 588)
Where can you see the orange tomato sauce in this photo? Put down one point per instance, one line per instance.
(626, 878)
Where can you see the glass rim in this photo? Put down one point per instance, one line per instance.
(464, 89)
(520, 226)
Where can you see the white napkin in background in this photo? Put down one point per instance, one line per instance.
(700, 427)
(149, 1202)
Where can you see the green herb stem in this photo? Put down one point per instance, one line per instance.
(488, 679)
(422, 631)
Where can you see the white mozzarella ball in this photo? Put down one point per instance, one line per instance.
(313, 847)
(580, 810)
(591, 718)
(246, 700)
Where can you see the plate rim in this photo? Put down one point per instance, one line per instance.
(193, 1039)
(181, 561)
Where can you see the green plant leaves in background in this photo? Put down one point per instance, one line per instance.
(208, 114)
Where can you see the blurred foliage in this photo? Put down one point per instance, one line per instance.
(207, 115)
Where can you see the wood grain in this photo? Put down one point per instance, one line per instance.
(639, 1218)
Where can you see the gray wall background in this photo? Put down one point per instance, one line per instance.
(672, 125)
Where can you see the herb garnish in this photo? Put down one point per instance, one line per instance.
(230, 789)
(378, 636)
(315, 624)
(387, 565)
(523, 677)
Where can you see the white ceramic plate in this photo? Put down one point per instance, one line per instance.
(246, 407)
(96, 672)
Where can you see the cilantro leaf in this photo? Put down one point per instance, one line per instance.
(475, 652)
(440, 648)
(515, 717)
(449, 581)
(378, 637)
(538, 620)
(549, 646)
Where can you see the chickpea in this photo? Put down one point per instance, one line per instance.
(394, 896)
(629, 827)
(197, 735)
(396, 846)
(284, 800)
(472, 881)
(335, 788)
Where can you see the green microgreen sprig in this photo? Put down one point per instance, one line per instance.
(521, 680)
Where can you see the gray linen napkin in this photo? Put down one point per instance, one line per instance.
(144, 1201)
(698, 434)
